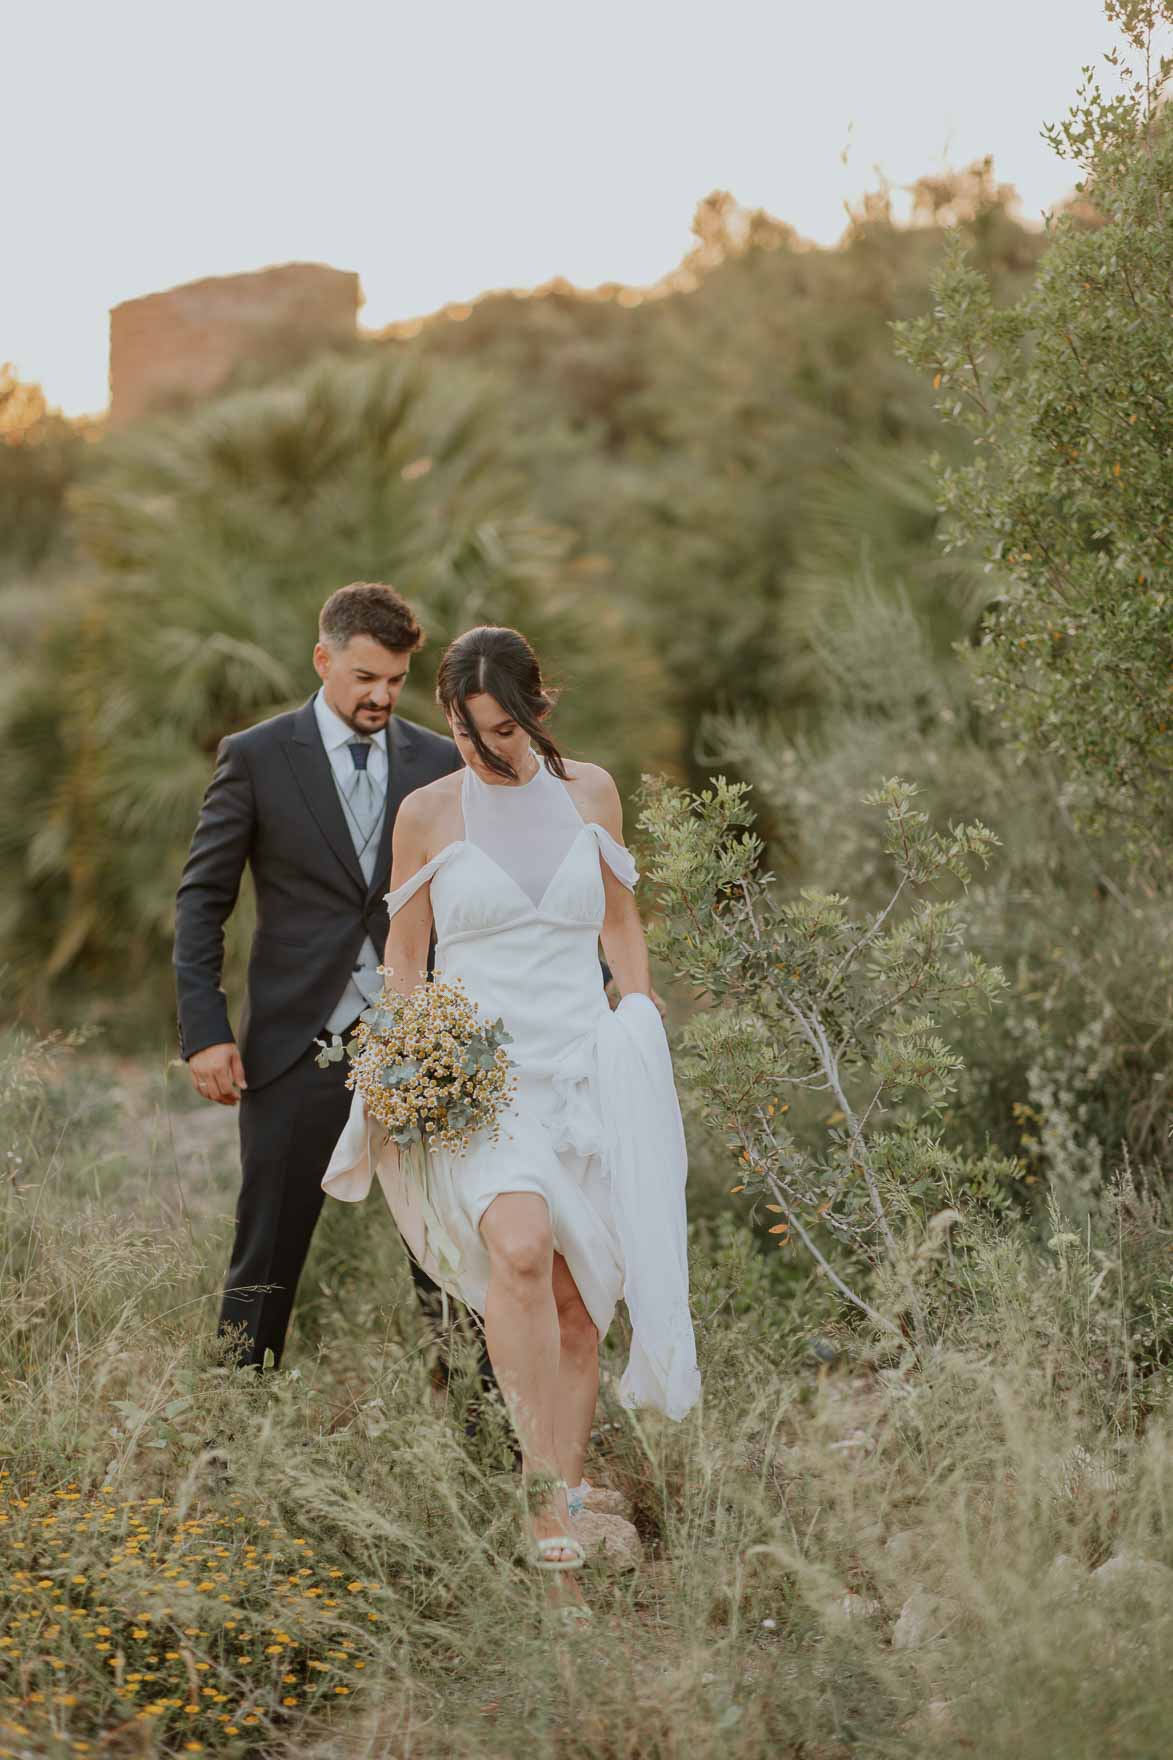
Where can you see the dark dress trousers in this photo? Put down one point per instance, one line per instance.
(272, 805)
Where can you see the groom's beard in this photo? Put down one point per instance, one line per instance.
(366, 715)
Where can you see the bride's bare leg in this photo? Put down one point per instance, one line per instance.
(578, 1374)
(523, 1338)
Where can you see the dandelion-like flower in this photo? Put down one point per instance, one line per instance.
(428, 1068)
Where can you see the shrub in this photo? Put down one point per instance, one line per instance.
(812, 1000)
(1066, 394)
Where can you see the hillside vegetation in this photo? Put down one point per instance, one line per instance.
(855, 567)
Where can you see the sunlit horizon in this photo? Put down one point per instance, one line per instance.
(445, 158)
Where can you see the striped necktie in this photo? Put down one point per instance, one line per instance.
(364, 805)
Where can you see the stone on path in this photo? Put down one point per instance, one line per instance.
(1131, 1572)
(606, 1501)
(922, 1618)
(1064, 1577)
(611, 1536)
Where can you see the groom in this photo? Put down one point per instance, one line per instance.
(307, 800)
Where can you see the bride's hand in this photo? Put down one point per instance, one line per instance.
(614, 998)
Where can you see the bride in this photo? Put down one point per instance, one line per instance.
(518, 860)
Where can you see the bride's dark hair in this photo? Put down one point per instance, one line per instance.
(498, 663)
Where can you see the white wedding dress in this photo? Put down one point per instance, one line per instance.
(594, 1127)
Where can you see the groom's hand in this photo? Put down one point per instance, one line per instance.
(218, 1073)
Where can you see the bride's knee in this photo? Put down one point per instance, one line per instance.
(522, 1253)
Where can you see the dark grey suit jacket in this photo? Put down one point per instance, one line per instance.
(272, 804)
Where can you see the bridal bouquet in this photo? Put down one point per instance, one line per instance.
(428, 1069)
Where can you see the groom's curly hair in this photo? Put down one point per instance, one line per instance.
(499, 662)
(367, 608)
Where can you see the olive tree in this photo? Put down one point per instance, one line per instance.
(816, 1048)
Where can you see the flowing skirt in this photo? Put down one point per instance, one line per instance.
(599, 1136)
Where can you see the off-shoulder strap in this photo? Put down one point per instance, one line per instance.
(616, 855)
(397, 899)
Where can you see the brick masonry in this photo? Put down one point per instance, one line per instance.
(169, 347)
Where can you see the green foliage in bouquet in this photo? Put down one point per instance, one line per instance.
(427, 1067)
(819, 1058)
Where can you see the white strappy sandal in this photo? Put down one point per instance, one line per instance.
(541, 1560)
(572, 1615)
(535, 1490)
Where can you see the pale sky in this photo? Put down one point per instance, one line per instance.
(449, 147)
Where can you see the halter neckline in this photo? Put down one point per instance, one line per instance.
(509, 787)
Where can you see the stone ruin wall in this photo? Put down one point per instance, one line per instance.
(183, 343)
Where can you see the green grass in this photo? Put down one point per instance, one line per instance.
(343, 1547)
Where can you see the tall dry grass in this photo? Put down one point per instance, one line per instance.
(846, 1550)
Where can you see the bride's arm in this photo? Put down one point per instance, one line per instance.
(405, 954)
(622, 932)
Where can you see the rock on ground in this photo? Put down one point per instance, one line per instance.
(1131, 1572)
(606, 1501)
(610, 1537)
(922, 1618)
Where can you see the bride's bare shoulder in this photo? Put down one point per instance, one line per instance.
(596, 794)
(591, 778)
(429, 817)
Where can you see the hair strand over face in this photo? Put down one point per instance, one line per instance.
(498, 662)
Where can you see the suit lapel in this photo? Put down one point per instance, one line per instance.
(311, 767)
(404, 773)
